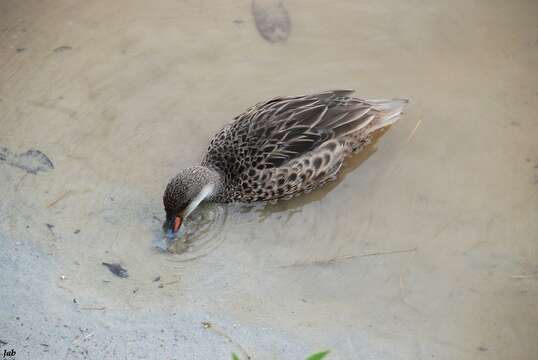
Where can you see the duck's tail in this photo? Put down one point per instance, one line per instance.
(389, 112)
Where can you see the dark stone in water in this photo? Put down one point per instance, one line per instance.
(32, 161)
(117, 270)
(272, 19)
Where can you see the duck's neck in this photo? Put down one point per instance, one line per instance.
(211, 182)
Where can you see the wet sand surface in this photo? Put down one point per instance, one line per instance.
(427, 249)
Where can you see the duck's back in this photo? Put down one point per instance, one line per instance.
(289, 145)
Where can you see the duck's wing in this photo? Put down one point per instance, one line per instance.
(285, 128)
(272, 133)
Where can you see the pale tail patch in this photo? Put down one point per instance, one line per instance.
(390, 112)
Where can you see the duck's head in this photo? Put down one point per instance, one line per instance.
(184, 193)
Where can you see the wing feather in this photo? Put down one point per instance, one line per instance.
(276, 131)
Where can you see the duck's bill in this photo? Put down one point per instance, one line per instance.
(171, 226)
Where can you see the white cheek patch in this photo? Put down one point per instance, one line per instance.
(205, 192)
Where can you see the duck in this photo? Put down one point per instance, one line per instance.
(278, 149)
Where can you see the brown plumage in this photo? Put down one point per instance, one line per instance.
(279, 149)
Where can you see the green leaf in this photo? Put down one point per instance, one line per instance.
(318, 356)
(234, 357)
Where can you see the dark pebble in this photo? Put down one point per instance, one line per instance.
(117, 270)
(272, 20)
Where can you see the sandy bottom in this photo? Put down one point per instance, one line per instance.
(426, 248)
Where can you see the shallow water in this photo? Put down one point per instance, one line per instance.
(426, 247)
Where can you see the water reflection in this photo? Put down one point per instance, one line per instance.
(201, 232)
